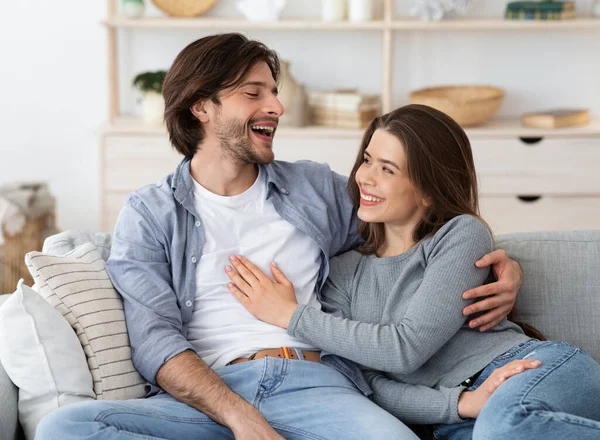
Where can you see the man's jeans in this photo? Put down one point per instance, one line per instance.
(300, 399)
(559, 400)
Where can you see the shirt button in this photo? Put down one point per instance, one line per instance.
(285, 191)
(194, 260)
(198, 223)
(188, 303)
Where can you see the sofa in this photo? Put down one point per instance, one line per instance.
(560, 295)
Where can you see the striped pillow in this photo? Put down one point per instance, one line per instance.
(78, 286)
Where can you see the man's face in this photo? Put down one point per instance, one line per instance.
(245, 122)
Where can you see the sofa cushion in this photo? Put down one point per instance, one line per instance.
(65, 242)
(42, 356)
(9, 417)
(78, 286)
(561, 284)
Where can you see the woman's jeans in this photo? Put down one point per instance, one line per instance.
(557, 401)
(300, 399)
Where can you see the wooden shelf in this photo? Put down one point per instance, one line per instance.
(413, 24)
(219, 23)
(399, 24)
(132, 126)
(510, 127)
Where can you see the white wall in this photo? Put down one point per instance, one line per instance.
(53, 75)
(52, 66)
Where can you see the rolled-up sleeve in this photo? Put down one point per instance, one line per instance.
(140, 271)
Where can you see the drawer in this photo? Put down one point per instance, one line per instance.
(549, 166)
(340, 154)
(512, 214)
(131, 162)
(111, 206)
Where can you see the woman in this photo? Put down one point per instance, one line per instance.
(415, 188)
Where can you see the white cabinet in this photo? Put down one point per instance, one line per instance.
(537, 184)
(514, 214)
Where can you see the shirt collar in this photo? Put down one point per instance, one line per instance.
(182, 184)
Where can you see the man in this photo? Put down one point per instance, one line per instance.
(226, 374)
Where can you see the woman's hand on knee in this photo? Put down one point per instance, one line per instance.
(471, 402)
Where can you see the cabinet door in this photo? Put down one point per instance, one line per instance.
(529, 214)
(538, 166)
(131, 162)
(338, 153)
(111, 206)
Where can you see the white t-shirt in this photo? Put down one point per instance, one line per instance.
(221, 329)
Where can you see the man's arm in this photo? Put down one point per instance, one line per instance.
(140, 271)
(187, 378)
(500, 296)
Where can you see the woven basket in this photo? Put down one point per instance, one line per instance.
(467, 105)
(184, 8)
(12, 252)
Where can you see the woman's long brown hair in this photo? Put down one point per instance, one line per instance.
(439, 162)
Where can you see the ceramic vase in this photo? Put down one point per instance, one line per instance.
(153, 108)
(133, 8)
(294, 99)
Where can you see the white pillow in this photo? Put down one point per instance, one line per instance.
(77, 285)
(42, 356)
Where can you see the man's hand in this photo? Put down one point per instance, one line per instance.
(255, 428)
(502, 294)
(471, 402)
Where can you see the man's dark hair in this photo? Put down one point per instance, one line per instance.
(202, 70)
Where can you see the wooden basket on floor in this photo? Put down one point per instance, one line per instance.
(184, 8)
(12, 252)
(467, 105)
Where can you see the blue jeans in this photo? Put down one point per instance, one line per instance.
(559, 400)
(300, 399)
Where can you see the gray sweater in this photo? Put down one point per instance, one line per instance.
(404, 324)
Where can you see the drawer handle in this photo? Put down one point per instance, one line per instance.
(529, 199)
(531, 140)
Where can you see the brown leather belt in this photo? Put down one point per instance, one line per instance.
(282, 353)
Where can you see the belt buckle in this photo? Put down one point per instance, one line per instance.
(285, 352)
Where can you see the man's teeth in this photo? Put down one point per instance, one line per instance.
(260, 127)
(370, 198)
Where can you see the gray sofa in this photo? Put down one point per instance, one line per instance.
(560, 294)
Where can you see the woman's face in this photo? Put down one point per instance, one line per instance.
(386, 193)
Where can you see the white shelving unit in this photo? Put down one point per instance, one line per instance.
(530, 179)
(386, 27)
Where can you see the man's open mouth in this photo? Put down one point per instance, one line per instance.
(263, 131)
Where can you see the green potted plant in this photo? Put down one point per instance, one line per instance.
(153, 104)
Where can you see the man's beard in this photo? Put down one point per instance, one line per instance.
(235, 142)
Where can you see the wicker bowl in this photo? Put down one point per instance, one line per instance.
(184, 8)
(467, 105)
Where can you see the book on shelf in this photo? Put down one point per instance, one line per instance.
(547, 5)
(344, 108)
(539, 15)
(540, 10)
(342, 119)
(342, 99)
(556, 118)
